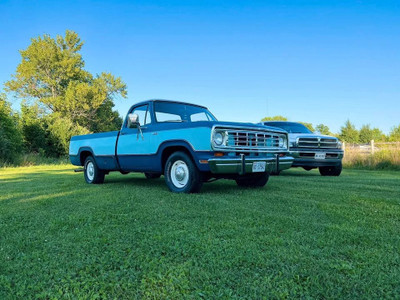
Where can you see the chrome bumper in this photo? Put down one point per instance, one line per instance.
(244, 165)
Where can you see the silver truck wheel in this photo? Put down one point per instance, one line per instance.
(90, 170)
(180, 174)
(93, 174)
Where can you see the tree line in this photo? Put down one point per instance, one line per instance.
(349, 133)
(58, 97)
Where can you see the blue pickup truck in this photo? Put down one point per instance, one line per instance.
(185, 143)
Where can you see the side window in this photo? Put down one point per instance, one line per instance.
(143, 113)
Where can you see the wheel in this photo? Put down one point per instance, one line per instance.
(331, 171)
(253, 181)
(152, 175)
(92, 173)
(181, 174)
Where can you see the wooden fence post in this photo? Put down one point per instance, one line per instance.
(372, 146)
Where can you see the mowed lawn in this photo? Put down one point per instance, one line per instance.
(302, 235)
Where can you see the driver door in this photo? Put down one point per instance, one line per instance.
(133, 148)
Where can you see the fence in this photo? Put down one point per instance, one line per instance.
(381, 155)
(371, 147)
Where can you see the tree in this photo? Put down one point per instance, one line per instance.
(52, 74)
(349, 133)
(10, 134)
(275, 118)
(367, 134)
(308, 125)
(394, 135)
(323, 129)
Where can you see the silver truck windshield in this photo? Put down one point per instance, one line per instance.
(290, 127)
(181, 112)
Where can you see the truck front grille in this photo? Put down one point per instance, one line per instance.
(322, 143)
(244, 140)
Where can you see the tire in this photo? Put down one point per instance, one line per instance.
(92, 173)
(253, 181)
(181, 174)
(331, 171)
(152, 175)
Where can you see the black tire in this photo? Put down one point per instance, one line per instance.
(331, 171)
(152, 175)
(188, 180)
(253, 181)
(92, 173)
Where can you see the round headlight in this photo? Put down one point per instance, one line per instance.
(218, 138)
(281, 142)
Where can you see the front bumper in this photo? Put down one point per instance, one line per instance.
(306, 157)
(244, 165)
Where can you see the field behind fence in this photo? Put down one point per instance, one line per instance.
(385, 155)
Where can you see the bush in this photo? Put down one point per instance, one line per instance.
(10, 134)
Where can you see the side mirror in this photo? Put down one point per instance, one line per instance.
(133, 121)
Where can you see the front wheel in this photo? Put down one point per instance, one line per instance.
(92, 173)
(181, 174)
(253, 181)
(331, 171)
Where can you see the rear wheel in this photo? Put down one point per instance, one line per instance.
(181, 174)
(92, 173)
(152, 175)
(331, 171)
(253, 181)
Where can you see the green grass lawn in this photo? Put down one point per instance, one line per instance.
(302, 235)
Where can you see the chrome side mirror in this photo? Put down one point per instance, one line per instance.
(133, 121)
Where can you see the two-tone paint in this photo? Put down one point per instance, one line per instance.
(129, 150)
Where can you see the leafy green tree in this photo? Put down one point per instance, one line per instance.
(394, 135)
(323, 129)
(274, 118)
(349, 133)
(367, 134)
(308, 125)
(34, 128)
(52, 73)
(10, 133)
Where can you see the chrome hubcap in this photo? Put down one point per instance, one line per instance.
(90, 170)
(180, 174)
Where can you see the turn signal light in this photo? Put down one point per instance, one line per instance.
(218, 154)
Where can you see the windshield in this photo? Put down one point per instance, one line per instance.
(180, 112)
(289, 127)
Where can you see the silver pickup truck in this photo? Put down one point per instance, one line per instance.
(312, 150)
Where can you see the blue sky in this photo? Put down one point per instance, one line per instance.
(313, 61)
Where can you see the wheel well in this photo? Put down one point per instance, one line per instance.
(84, 154)
(169, 150)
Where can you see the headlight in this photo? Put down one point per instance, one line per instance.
(281, 143)
(292, 144)
(218, 138)
(339, 145)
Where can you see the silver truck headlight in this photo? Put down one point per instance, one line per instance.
(218, 138)
(340, 145)
(292, 144)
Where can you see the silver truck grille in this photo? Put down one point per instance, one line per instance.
(323, 143)
(240, 140)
